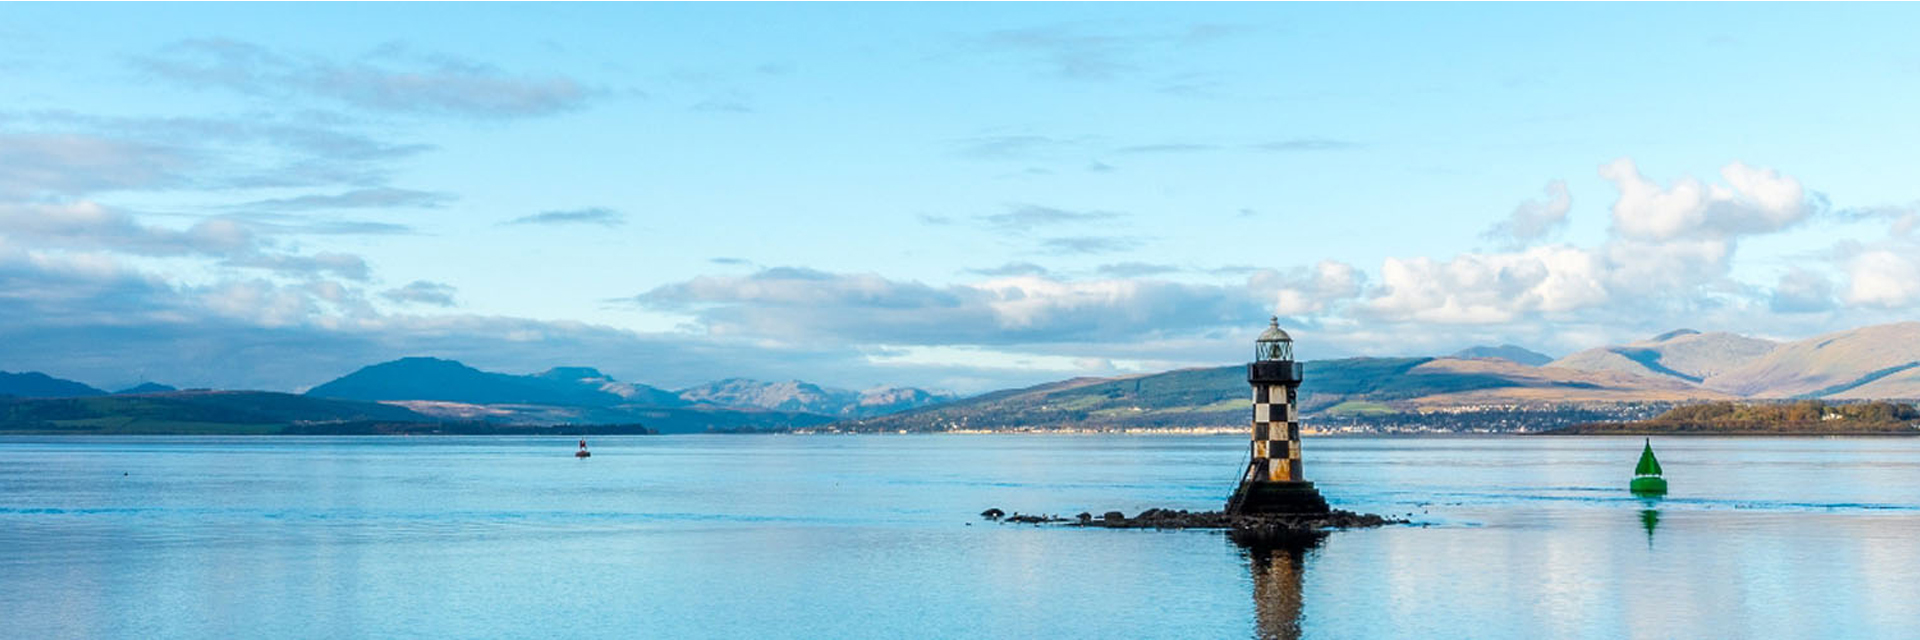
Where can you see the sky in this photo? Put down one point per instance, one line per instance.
(953, 196)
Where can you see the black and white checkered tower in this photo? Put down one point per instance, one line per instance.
(1273, 481)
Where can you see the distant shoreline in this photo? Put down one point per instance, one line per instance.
(568, 435)
(1908, 432)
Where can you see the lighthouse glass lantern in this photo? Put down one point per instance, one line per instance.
(1274, 345)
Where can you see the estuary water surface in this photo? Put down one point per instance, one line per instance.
(877, 536)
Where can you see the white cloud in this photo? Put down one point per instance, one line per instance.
(1535, 219)
(43, 163)
(90, 225)
(1882, 278)
(1477, 288)
(344, 265)
(1667, 269)
(1303, 291)
(423, 292)
(1802, 291)
(801, 305)
(1754, 200)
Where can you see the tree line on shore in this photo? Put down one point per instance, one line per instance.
(1809, 417)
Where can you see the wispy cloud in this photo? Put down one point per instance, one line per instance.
(87, 225)
(1036, 147)
(422, 292)
(67, 153)
(286, 224)
(1028, 216)
(60, 163)
(1089, 245)
(1066, 51)
(390, 79)
(344, 265)
(1167, 147)
(1135, 269)
(1534, 219)
(1092, 52)
(1015, 146)
(1012, 269)
(733, 101)
(375, 198)
(593, 215)
(1304, 144)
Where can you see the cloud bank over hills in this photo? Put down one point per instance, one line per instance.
(269, 208)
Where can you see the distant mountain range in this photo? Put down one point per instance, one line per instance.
(1877, 362)
(803, 397)
(446, 387)
(1219, 396)
(1477, 384)
(34, 384)
(450, 381)
(1685, 355)
(410, 394)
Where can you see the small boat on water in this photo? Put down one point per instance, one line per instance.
(1646, 475)
(582, 453)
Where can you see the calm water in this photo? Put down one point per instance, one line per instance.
(875, 536)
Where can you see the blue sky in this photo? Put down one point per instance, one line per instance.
(957, 196)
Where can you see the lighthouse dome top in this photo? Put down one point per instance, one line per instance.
(1273, 345)
(1274, 333)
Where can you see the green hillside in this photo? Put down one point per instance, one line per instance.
(1804, 417)
(1215, 396)
(219, 412)
(267, 413)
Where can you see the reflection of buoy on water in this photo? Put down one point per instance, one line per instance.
(1646, 475)
(582, 453)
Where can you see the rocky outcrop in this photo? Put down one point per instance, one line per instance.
(1247, 530)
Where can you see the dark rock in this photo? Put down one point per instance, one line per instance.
(1033, 519)
(1113, 516)
(993, 514)
(1084, 518)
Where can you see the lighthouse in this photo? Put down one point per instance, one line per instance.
(1272, 483)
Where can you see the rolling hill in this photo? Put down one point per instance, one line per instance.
(1868, 362)
(1219, 397)
(1685, 355)
(146, 387)
(33, 384)
(805, 397)
(1512, 353)
(450, 381)
(448, 390)
(189, 412)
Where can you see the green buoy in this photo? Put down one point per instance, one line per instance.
(1646, 475)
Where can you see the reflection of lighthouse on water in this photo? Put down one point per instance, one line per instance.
(1278, 574)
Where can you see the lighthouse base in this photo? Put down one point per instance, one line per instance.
(1276, 498)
